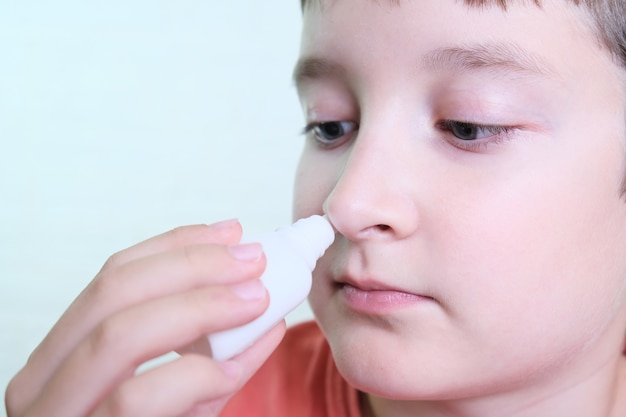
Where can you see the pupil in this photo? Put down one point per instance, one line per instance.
(331, 130)
(464, 131)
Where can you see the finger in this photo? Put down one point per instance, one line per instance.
(172, 389)
(226, 232)
(178, 270)
(115, 349)
(84, 314)
(142, 279)
(250, 360)
(202, 346)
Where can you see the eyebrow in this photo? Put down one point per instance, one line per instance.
(314, 68)
(505, 57)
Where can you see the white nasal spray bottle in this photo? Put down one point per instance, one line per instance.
(291, 254)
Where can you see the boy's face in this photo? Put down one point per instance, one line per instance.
(469, 259)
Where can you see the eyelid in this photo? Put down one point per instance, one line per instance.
(495, 129)
(348, 127)
(312, 125)
(501, 133)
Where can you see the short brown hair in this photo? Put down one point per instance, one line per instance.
(608, 18)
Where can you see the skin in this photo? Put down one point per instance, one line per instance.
(502, 257)
(158, 296)
(502, 260)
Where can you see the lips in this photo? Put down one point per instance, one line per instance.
(373, 297)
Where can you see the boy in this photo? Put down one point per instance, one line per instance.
(471, 158)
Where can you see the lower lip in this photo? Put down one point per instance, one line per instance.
(378, 301)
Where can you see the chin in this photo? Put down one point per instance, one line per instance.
(379, 364)
(371, 366)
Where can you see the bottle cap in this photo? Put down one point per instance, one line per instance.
(312, 236)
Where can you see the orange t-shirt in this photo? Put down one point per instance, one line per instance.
(299, 379)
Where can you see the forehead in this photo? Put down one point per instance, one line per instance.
(418, 11)
(555, 35)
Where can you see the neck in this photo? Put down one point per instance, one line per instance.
(600, 394)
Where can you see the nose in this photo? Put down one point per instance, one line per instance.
(374, 197)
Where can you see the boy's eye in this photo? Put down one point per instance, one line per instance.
(329, 132)
(471, 131)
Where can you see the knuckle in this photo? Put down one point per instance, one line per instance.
(182, 235)
(197, 303)
(113, 261)
(106, 337)
(209, 298)
(122, 402)
(195, 257)
(103, 286)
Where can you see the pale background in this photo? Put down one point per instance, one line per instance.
(121, 119)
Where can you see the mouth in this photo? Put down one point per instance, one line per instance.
(376, 298)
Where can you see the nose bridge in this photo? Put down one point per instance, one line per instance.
(373, 195)
(367, 166)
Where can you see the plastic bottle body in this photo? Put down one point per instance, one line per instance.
(291, 254)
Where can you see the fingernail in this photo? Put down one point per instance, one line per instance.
(224, 224)
(231, 369)
(249, 290)
(246, 252)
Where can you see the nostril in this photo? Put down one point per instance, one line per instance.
(383, 227)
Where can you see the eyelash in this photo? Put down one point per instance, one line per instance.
(345, 128)
(496, 133)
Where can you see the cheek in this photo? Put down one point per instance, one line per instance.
(313, 183)
(542, 249)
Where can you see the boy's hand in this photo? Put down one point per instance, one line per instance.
(166, 293)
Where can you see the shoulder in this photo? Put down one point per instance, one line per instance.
(299, 378)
